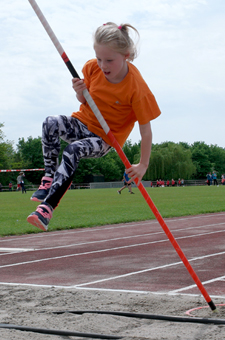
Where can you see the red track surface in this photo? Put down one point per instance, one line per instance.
(133, 256)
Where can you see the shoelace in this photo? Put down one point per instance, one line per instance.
(44, 212)
(46, 186)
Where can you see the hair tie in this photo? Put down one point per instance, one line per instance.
(119, 27)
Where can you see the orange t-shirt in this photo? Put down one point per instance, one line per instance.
(121, 104)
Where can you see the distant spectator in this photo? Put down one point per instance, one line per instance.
(20, 182)
(179, 182)
(214, 178)
(126, 184)
(223, 179)
(162, 183)
(182, 182)
(173, 182)
(10, 186)
(158, 183)
(167, 183)
(23, 187)
(209, 178)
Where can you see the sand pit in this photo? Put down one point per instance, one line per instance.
(33, 307)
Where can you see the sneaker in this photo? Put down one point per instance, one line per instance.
(41, 217)
(132, 192)
(119, 192)
(43, 190)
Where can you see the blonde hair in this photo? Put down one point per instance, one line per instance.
(117, 38)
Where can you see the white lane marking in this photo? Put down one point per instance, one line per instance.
(119, 276)
(105, 289)
(134, 236)
(108, 250)
(152, 269)
(114, 226)
(221, 278)
(15, 250)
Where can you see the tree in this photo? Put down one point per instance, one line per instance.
(29, 154)
(201, 159)
(217, 159)
(6, 157)
(170, 160)
(108, 166)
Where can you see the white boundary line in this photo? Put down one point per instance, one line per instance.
(15, 250)
(81, 286)
(106, 290)
(113, 226)
(110, 249)
(221, 278)
(123, 238)
(155, 268)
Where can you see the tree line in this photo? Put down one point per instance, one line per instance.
(168, 160)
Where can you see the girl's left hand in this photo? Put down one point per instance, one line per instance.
(136, 171)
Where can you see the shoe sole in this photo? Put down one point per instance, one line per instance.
(33, 219)
(35, 199)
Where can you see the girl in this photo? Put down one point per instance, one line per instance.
(122, 97)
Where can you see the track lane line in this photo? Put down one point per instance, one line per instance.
(152, 269)
(100, 228)
(220, 278)
(125, 238)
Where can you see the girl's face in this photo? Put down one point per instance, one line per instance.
(112, 64)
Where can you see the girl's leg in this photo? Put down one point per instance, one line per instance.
(85, 148)
(92, 147)
(69, 129)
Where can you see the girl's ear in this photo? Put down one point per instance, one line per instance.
(127, 55)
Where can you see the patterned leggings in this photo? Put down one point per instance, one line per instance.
(82, 144)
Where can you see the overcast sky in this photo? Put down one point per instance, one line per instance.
(182, 59)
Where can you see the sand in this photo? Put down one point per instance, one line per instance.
(34, 306)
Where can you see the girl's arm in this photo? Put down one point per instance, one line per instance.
(138, 170)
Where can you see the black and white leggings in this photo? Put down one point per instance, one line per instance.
(82, 144)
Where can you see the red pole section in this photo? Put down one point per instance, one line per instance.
(163, 224)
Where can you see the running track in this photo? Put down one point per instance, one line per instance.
(130, 257)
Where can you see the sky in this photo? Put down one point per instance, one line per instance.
(181, 57)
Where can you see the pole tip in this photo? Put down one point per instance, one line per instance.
(212, 305)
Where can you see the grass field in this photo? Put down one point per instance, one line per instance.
(88, 208)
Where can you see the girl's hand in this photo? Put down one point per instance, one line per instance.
(136, 171)
(79, 86)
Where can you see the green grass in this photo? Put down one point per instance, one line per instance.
(88, 208)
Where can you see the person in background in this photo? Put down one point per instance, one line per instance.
(209, 178)
(223, 179)
(20, 182)
(158, 183)
(126, 184)
(214, 178)
(19, 179)
(10, 186)
(23, 187)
